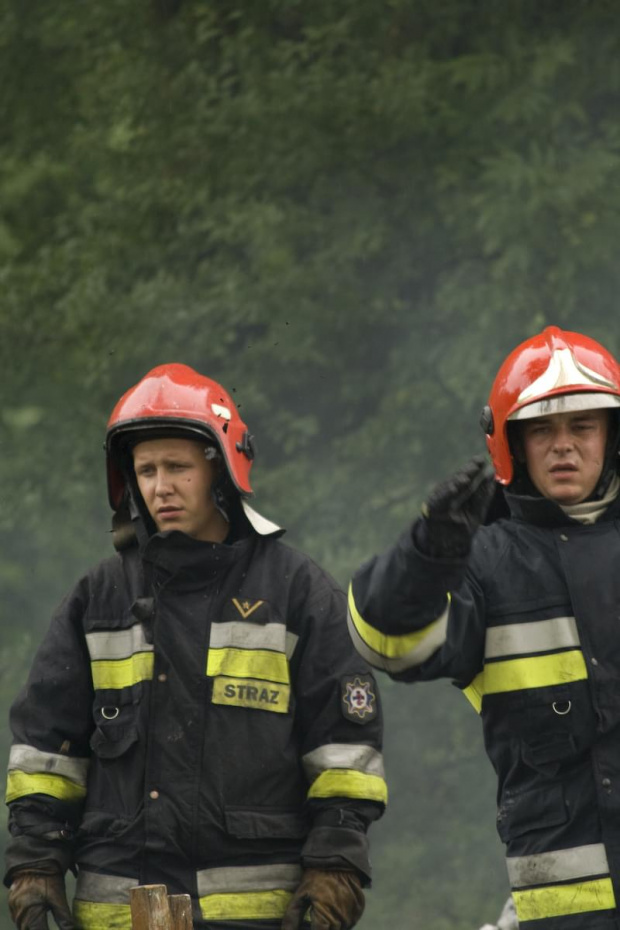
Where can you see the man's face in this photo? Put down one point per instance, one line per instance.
(175, 479)
(564, 453)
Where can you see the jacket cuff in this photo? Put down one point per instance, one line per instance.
(337, 849)
(30, 852)
(432, 574)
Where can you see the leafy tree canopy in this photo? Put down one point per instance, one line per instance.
(348, 213)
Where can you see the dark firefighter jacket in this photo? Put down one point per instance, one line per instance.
(196, 717)
(529, 627)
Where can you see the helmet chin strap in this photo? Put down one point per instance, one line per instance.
(221, 484)
(130, 523)
(220, 501)
(142, 521)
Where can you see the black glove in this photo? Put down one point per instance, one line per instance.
(455, 509)
(36, 891)
(335, 900)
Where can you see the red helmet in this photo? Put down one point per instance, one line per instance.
(174, 397)
(552, 372)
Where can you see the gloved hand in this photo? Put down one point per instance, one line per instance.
(36, 891)
(335, 899)
(456, 508)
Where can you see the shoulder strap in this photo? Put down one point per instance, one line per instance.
(133, 570)
(139, 588)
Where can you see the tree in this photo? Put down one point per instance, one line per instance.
(348, 215)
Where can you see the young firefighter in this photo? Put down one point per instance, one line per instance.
(524, 615)
(196, 715)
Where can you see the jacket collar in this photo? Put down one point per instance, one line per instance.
(542, 512)
(176, 555)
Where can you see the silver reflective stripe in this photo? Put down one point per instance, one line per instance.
(104, 889)
(565, 403)
(120, 644)
(35, 762)
(558, 866)
(243, 635)
(516, 639)
(430, 643)
(237, 879)
(343, 756)
(563, 371)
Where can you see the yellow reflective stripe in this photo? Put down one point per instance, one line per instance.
(562, 900)
(347, 783)
(253, 905)
(91, 916)
(557, 668)
(391, 647)
(474, 694)
(20, 784)
(248, 663)
(122, 673)
(252, 693)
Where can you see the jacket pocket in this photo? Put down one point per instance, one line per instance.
(537, 809)
(546, 752)
(558, 724)
(96, 823)
(261, 823)
(534, 709)
(116, 722)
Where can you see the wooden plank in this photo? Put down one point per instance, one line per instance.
(149, 908)
(181, 910)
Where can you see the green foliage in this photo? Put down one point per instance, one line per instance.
(348, 213)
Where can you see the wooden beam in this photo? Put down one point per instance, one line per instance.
(181, 910)
(150, 909)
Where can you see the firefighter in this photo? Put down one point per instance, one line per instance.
(523, 613)
(196, 715)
